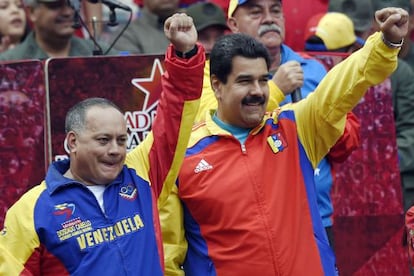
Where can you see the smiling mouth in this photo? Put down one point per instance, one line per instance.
(110, 164)
(253, 108)
(254, 104)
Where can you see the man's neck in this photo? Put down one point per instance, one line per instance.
(276, 59)
(54, 47)
(68, 174)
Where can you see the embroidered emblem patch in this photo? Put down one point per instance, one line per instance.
(66, 209)
(128, 192)
(276, 142)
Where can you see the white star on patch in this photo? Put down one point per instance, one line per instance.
(317, 171)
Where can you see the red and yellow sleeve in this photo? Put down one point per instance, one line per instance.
(321, 117)
(19, 241)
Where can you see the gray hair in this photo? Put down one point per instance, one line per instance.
(76, 116)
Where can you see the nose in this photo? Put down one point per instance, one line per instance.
(268, 17)
(208, 45)
(15, 7)
(257, 88)
(115, 148)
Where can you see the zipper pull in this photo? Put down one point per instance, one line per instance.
(243, 149)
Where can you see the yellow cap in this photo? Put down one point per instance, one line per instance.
(233, 6)
(335, 29)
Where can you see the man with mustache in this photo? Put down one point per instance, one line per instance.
(263, 20)
(52, 33)
(247, 181)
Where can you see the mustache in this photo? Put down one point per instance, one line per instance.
(254, 100)
(269, 28)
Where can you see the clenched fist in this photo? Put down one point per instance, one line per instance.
(180, 30)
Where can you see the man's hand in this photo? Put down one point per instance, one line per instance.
(393, 23)
(288, 77)
(180, 30)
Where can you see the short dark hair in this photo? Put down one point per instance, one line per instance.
(76, 116)
(231, 45)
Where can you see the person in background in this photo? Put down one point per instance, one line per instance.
(210, 22)
(96, 213)
(331, 32)
(360, 12)
(264, 20)
(52, 33)
(145, 34)
(13, 24)
(247, 181)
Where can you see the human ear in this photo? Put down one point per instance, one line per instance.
(232, 24)
(216, 86)
(71, 141)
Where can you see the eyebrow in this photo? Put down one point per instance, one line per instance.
(250, 76)
(244, 76)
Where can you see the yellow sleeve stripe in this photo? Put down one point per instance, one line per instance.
(189, 110)
(276, 96)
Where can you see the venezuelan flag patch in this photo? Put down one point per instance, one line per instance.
(276, 142)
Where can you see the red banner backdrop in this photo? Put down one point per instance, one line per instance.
(367, 194)
(22, 150)
(132, 82)
(368, 216)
